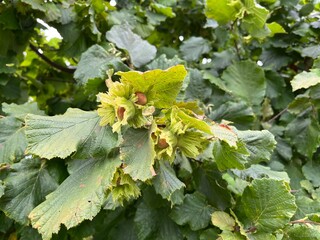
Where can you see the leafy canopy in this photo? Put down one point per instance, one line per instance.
(159, 119)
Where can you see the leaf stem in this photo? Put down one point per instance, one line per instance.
(51, 63)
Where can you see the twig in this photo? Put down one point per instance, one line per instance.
(51, 63)
(304, 221)
(5, 167)
(277, 115)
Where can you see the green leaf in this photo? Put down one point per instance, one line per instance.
(268, 204)
(194, 211)
(167, 11)
(60, 135)
(301, 232)
(311, 172)
(27, 184)
(223, 221)
(254, 16)
(225, 133)
(137, 153)
(259, 171)
(162, 62)
(159, 86)
(20, 111)
(312, 51)
(78, 198)
(306, 206)
(221, 11)
(35, 4)
(167, 184)
(304, 135)
(275, 28)
(194, 47)
(154, 223)
(12, 140)
(306, 79)
(198, 88)
(101, 141)
(260, 144)
(228, 157)
(140, 51)
(227, 235)
(94, 64)
(246, 80)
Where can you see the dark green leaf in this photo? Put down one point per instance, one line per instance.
(304, 134)
(154, 223)
(194, 211)
(94, 64)
(246, 80)
(194, 47)
(167, 184)
(12, 140)
(26, 186)
(268, 204)
(140, 51)
(137, 152)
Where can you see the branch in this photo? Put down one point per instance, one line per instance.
(278, 115)
(304, 221)
(51, 63)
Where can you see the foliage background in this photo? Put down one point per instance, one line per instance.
(256, 66)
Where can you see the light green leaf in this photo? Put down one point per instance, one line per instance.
(260, 144)
(60, 135)
(259, 171)
(227, 157)
(194, 47)
(221, 11)
(20, 111)
(225, 133)
(188, 118)
(246, 80)
(194, 211)
(166, 183)
(140, 51)
(311, 51)
(227, 235)
(167, 11)
(159, 86)
(94, 64)
(304, 134)
(27, 184)
(262, 236)
(78, 198)
(275, 28)
(137, 153)
(254, 16)
(300, 232)
(268, 204)
(12, 139)
(223, 221)
(306, 79)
